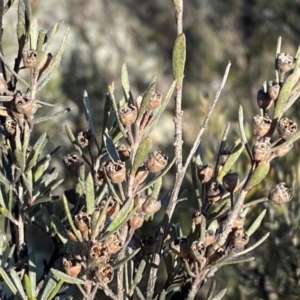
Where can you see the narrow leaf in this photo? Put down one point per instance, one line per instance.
(126, 259)
(8, 281)
(90, 194)
(220, 295)
(125, 81)
(141, 154)
(179, 57)
(256, 224)
(66, 278)
(58, 228)
(111, 149)
(18, 283)
(56, 290)
(257, 176)
(48, 288)
(51, 116)
(32, 272)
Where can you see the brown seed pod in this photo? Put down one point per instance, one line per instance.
(239, 239)
(151, 206)
(155, 101)
(139, 201)
(214, 192)
(30, 58)
(73, 162)
(113, 209)
(156, 162)
(231, 182)
(113, 243)
(104, 273)
(205, 173)
(72, 267)
(140, 175)
(99, 254)
(286, 128)
(85, 139)
(99, 177)
(273, 90)
(209, 237)
(82, 221)
(261, 125)
(197, 217)
(24, 105)
(128, 114)
(284, 63)
(197, 252)
(280, 193)
(124, 152)
(137, 220)
(10, 125)
(239, 222)
(264, 100)
(261, 150)
(180, 247)
(116, 172)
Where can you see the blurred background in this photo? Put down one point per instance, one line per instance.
(106, 33)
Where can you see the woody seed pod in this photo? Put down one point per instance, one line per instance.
(104, 273)
(261, 125)
(231, 182)
(261, 150)
(197, 217)
(72, 267)
(72, 162)
(99, 177)
(140, 175)
(264, 100)
(205, 173)
(85, 139)
(284, 63)
(24, 106)
(30, 58)
(155, 101)
(137, 220)
(239, 239)
(124, 152)
(113, 244)
(99, 254)
(112, 209)
(180, 247)
(273, 90)
(280, 193)
(286, 128)
(151, 206)
(156, 162)
(128, 114)
(116, 172)
(198, 251)
(139, 201)
(82, 221)
(239, 222)
(10, 125)
(214, 192)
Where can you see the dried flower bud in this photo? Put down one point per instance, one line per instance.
(24, 106)
(197, 217)
(214, 192)
(99, 254)
(284, 63)
(104, 273)
(82, 221)
(73, 162)
(116, 172)
(223, 157)
(128, 114)
(239, 239)
(239, 222)
(261, 125)
(72, 267)
(113, 244)
(280, 193)
(137, 220)
(139, 201)
(283, 150)
(147, 244)
(205, 173)
(209, 237)
(261, 150)
(180, 247)
(112, 209)
(273, 90)
(10, 125)
(156, 162)
(286, 128)
(264, 100)
(99, 177)
(85, 139)
(140, 175)
(231, 182)
(155, 101)
(124, 152)
(197, 252)
(30, 58)
(151, 206)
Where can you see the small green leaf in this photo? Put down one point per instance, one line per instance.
(8, 281)
(72, 139)
(257, 176)
(211, 290)
(66, 278)
(51, 116)
(138, 276)
(179, 57)
(58, 228)
(90, 194)
(27, 180)
(147, 97)
(32, 273)
(33, 33)
(156, 188)
(55, 290)
(28, 287)
(125, 81)
(18, 283)
(256, 224)
(141, 154)
(122, 215)
(111, 149)
(294, 138)
(48, 288)
(220, 295)
(234, 155)
(21, 33)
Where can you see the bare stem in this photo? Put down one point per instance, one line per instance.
(254, 202)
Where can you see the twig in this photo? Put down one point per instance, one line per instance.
(254, 202)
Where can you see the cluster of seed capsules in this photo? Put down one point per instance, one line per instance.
(98, 252)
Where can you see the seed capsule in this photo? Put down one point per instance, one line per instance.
(239, 239)
(273, 90)
(30, 58)
(151, 206)
(261, 125)
(156, 162)
(113, 244)
(180, 247)
(214, 192)
(116, 172)
(72, 267)
(231, 182)
(264, 100)
(205, 173)
(261, 150)
(286, 128)
(128, 114)
(124, 152)
(284, 63)
(155, 101)
(280, 193)
(104, 273)
(137, 220)
(73, 162)
(85, 139)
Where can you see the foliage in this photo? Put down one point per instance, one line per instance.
(115, 230)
